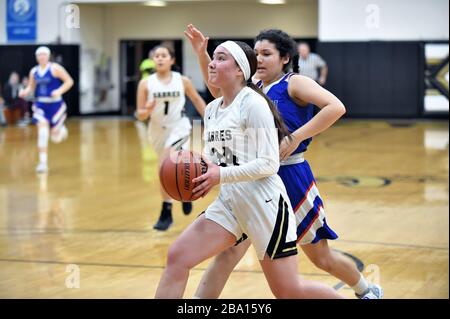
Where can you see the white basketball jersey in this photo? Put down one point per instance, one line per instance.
(170, 99)
(228, 139)
(252, 201)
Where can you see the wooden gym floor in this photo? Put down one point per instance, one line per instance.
(385, 187)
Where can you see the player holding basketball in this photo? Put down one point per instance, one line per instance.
(48, 81)
(161, 97)
(241, 136)
(295, 96)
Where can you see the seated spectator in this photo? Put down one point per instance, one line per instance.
(15, 106)
(2, 116)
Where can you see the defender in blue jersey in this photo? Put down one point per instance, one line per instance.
(48, 81)
(294, 96)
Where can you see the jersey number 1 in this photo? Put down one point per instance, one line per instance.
(166, 107)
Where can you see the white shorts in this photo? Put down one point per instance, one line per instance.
(176, 135)
(259, 210)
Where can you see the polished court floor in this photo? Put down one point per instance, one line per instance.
(85, 229)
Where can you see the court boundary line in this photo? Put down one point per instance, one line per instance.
(57, 262)
(55, 231)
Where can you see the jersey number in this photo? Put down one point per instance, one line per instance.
(166, 107)
(226, 157)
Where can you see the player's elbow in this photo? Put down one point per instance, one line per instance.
(340, 109)
(275, 166)
(69, 83)
(270, 167)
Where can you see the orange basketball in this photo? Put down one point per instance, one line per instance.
(177, 172)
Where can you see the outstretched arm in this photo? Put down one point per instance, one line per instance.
(200, 44)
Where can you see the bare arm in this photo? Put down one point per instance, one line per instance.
(193, 95)
(323, 75)
(61, 73)
(144, 107)
(305, 90)
(200, 44)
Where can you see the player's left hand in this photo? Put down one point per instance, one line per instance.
(288, 146)
(206, 181)
(56, 93)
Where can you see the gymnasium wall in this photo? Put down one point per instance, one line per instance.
(376, 54)
(376, 79)
(215, 19)
(102, 26)
(374, 48)
(387, 20)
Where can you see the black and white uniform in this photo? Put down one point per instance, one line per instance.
(252, 202)
(169, 126)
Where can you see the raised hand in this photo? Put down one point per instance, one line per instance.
(198, 41)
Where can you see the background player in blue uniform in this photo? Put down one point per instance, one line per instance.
(48, 81)
(294, 96)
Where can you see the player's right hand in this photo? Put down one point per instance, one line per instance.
(206, 181)
(198, 41)
(147, 109)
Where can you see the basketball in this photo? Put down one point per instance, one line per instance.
(177, 172)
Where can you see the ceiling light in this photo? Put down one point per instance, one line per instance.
(272, 1)
(155, 3)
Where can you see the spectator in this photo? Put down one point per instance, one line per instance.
(26, 120)
(2, 116)
(310, 63)
(15, 106)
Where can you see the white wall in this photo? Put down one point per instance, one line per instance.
(91, 36)
(102, 26)
(363, 20)
(215, 19)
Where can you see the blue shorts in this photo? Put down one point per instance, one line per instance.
(52, 113)
(306, 203)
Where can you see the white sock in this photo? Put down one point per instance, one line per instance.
(362, 285)
(43, 157)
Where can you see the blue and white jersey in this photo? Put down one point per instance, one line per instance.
(46, 108)
(294, 116)
(296, 175)
(45, 84)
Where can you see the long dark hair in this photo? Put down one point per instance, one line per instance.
(279, 123)
(282, 41)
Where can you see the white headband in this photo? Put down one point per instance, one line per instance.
(43, 50)
(240, 57)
